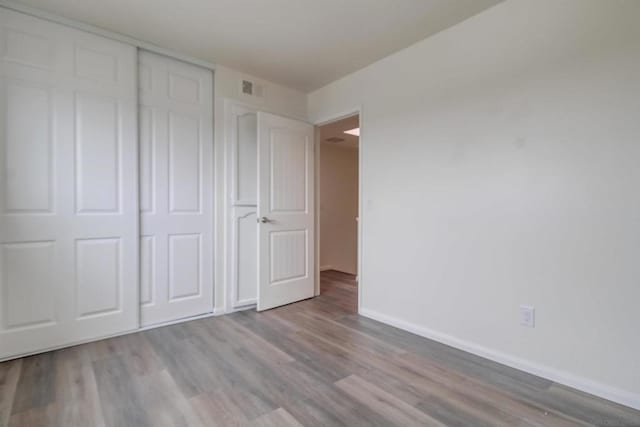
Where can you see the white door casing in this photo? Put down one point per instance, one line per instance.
(176, 189)
(285, 211)
(68, 186)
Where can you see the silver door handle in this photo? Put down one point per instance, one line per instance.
(263, 220)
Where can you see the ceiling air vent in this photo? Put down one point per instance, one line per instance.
(334, 139)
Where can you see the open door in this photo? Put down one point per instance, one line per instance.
(285, 211)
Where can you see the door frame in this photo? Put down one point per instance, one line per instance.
(325, 121)
(223, 257)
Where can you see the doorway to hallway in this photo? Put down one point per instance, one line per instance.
(338, 209)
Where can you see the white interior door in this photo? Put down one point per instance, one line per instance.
(68, 186)
(285, 211)
(176, 189)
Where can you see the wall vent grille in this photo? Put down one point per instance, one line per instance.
(252, 89)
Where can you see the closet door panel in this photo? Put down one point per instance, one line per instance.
(22, 283)
(105, 176)
(28, 149)
(185, 158)
(176, 189)
(68, 187)
(98, 160)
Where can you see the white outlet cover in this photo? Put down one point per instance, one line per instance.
(527, 316)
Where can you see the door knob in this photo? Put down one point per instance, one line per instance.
(264, 220)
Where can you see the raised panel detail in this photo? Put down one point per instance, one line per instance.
(184, 266)
(97, 154)
(147, 269)
(28, 151)
(288, 171)
(28, 49)
(98, 276)
(27, 284)
(144, 78)
(94, 65)
(247, 158)
(147, 153)
(288, 255)
(246, 258)
(184, 164)
(184, 89)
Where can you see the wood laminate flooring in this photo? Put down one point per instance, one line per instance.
(311, 363)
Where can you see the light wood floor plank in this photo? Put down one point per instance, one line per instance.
(313, 363)
(277, 418)
(77, 400)
(395, 410)
(9, 376)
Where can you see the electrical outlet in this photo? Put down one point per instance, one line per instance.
(527, 316)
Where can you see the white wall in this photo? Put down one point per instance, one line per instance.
(501, 162)
(338, 208)
(277, 100)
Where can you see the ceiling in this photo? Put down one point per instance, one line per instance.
(302, 44)
(336, 130)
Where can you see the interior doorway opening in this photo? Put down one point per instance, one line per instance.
(338, 207)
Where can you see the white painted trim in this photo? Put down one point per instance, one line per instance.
(230, 102)
(39, 13)
(586, 385)
(241, 308)
(244, 303)
(316, 214)
(215, 313)
(325, 267)
(339, 116)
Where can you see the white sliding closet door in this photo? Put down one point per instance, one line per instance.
(176, 189)
(68, 186)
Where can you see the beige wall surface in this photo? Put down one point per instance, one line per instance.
(500, 166)
(338, 208)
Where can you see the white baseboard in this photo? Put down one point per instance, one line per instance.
(586, 385)
(250, 306)
(325, 267)
(214, 313)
